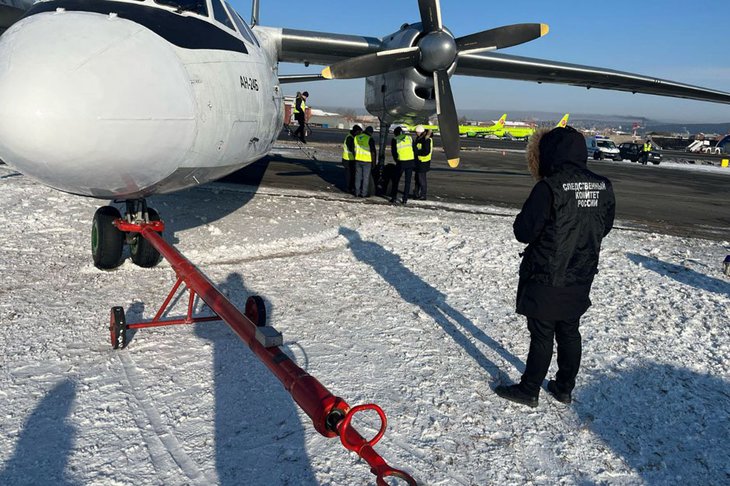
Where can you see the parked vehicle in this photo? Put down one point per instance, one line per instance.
(602, 148)
(705, 147)
(632, 151)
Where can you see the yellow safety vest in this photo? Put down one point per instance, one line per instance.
(304, 107)
(427, 157)
(362, 148)
(346, 154)
(404, 147)
(647, 147)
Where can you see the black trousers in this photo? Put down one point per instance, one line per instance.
(300, 131)
(406, 184)
(421, 184)
(349, 175)
(542, 333)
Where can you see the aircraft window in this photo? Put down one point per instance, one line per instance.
(220, 14)
(243, 27)
(196, 6)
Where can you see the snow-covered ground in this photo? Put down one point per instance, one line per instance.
(410, 308)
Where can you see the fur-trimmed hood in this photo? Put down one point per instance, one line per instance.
(549, 150)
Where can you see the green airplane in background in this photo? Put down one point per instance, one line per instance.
(470, 130)
(499, 129)
(525, 132)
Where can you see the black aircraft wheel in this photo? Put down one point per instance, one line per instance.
(106, 240)
(142, 251)
(256, 310)
(118, 328)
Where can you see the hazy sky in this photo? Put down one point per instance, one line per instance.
(666, 39)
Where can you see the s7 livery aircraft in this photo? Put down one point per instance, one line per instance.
(496, 129)
(123, 99)
(527, 131)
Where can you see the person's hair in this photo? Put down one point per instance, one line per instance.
(397, 131)
(369, 130)
(299, 94)
(306, 93)
(533, 152)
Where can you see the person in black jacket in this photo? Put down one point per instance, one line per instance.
(348, 157)
(403, 150)
(424, 152)
(300, 115)
(569, 211)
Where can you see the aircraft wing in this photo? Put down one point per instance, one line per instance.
(322, 48)
(492, 65)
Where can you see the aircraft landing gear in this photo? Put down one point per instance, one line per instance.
(107, 239)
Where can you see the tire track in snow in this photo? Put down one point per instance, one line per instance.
(161, 442)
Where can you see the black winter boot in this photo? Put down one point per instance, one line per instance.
(515, 394)
(554, 390)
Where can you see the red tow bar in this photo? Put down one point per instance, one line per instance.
(331, 415)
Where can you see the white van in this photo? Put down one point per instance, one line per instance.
(602, 148)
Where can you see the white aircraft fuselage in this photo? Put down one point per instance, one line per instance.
(124, 99)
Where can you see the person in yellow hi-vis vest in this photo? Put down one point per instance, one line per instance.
(300, 115)
(645, 152)
(424, 151)
(403, 150)
(365, 156)
(348, 158)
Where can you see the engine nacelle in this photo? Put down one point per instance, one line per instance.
(406, 95)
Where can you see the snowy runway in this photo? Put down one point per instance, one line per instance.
(410, 308)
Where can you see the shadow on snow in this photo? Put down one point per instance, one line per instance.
(670, 424)
(414, 290)
(259, 438)
(45, 442)
(681, 274)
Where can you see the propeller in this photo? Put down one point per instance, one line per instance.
(435, 52)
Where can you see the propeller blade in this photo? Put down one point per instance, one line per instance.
(372, 64)
(448, 119)
(501, 37)
(430, 15)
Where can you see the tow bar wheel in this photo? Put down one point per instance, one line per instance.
(256, 310)
(118, 328)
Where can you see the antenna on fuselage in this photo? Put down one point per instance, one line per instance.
(254, 13)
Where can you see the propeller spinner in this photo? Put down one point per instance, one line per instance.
(435, 52)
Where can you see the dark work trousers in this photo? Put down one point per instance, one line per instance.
(362, 178)
(349, 175)
(300, 131)
(421, 184)
(399, 171)
(567, 335)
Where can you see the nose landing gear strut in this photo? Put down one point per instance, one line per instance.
(108, 240)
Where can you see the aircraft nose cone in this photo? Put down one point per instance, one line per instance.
(92, 104)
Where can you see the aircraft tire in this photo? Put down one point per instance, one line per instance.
(106, 240)
(143, 253)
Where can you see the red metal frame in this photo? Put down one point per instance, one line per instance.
(330, 414)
